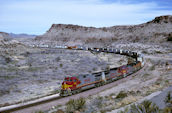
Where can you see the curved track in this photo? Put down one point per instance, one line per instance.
(54, 100)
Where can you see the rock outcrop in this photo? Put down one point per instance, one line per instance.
(4, 36)
(155, 31)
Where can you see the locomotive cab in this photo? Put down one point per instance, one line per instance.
(69, 84)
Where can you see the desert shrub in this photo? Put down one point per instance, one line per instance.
(121, 95)
(31, 69)
(158, 52)
(126, 110)
(27, 53)
(168, 99)
(94, 69)
(157, 20)
(144, 107)
(170, 19)
(75, 105)
(112, 94)
(61, 65)
(130, 60)
(39, 112)
(145, 75)
(102, 111)
(144, 52)
(167, 110)
(59, 111)
(166, 21)
(8, 60)
(168, 102)
(107, 68)
(132, 92)
(149, 107)
(152, 68)
(136, 39)
(98, 102)
(169, 37)
(4, 92)
(159, 81)
(58, 59)
(104, 29)
(114, 39)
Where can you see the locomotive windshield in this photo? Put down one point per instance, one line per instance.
(68, 79)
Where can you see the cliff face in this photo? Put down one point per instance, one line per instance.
(155, 31)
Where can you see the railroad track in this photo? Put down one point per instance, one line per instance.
(46, 103)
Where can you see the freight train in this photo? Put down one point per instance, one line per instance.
(76, 84)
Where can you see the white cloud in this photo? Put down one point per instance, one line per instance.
(36, 16)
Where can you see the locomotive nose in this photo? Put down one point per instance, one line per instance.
(65, 85)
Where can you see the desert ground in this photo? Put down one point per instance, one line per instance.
(28, 73)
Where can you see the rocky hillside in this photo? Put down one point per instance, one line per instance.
(4, 36)
(27, 73)
(156, 31)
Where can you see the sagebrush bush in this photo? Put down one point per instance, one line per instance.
(145, 107)
(39, 112)
(169, 38)
(121, 95)
(75, 105)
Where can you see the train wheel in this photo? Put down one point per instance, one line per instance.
(78, 90)
(98, 84)
(74, 92)
(111, 80)
(103, 83)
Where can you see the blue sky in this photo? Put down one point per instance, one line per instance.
(37, 16)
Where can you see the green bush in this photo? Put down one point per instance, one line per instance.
(168, 98)
(75, 105)
(169, 38)
(39, 112)
(149, 107)
(152, 68)
(121, 95)
(144, 107)
(157, 20)
(61, 65)
(8, 60)
(98, 102)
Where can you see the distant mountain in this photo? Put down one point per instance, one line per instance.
(4, 35)
(154, 31)
(12, 35)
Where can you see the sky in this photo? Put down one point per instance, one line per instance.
(37, 16)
